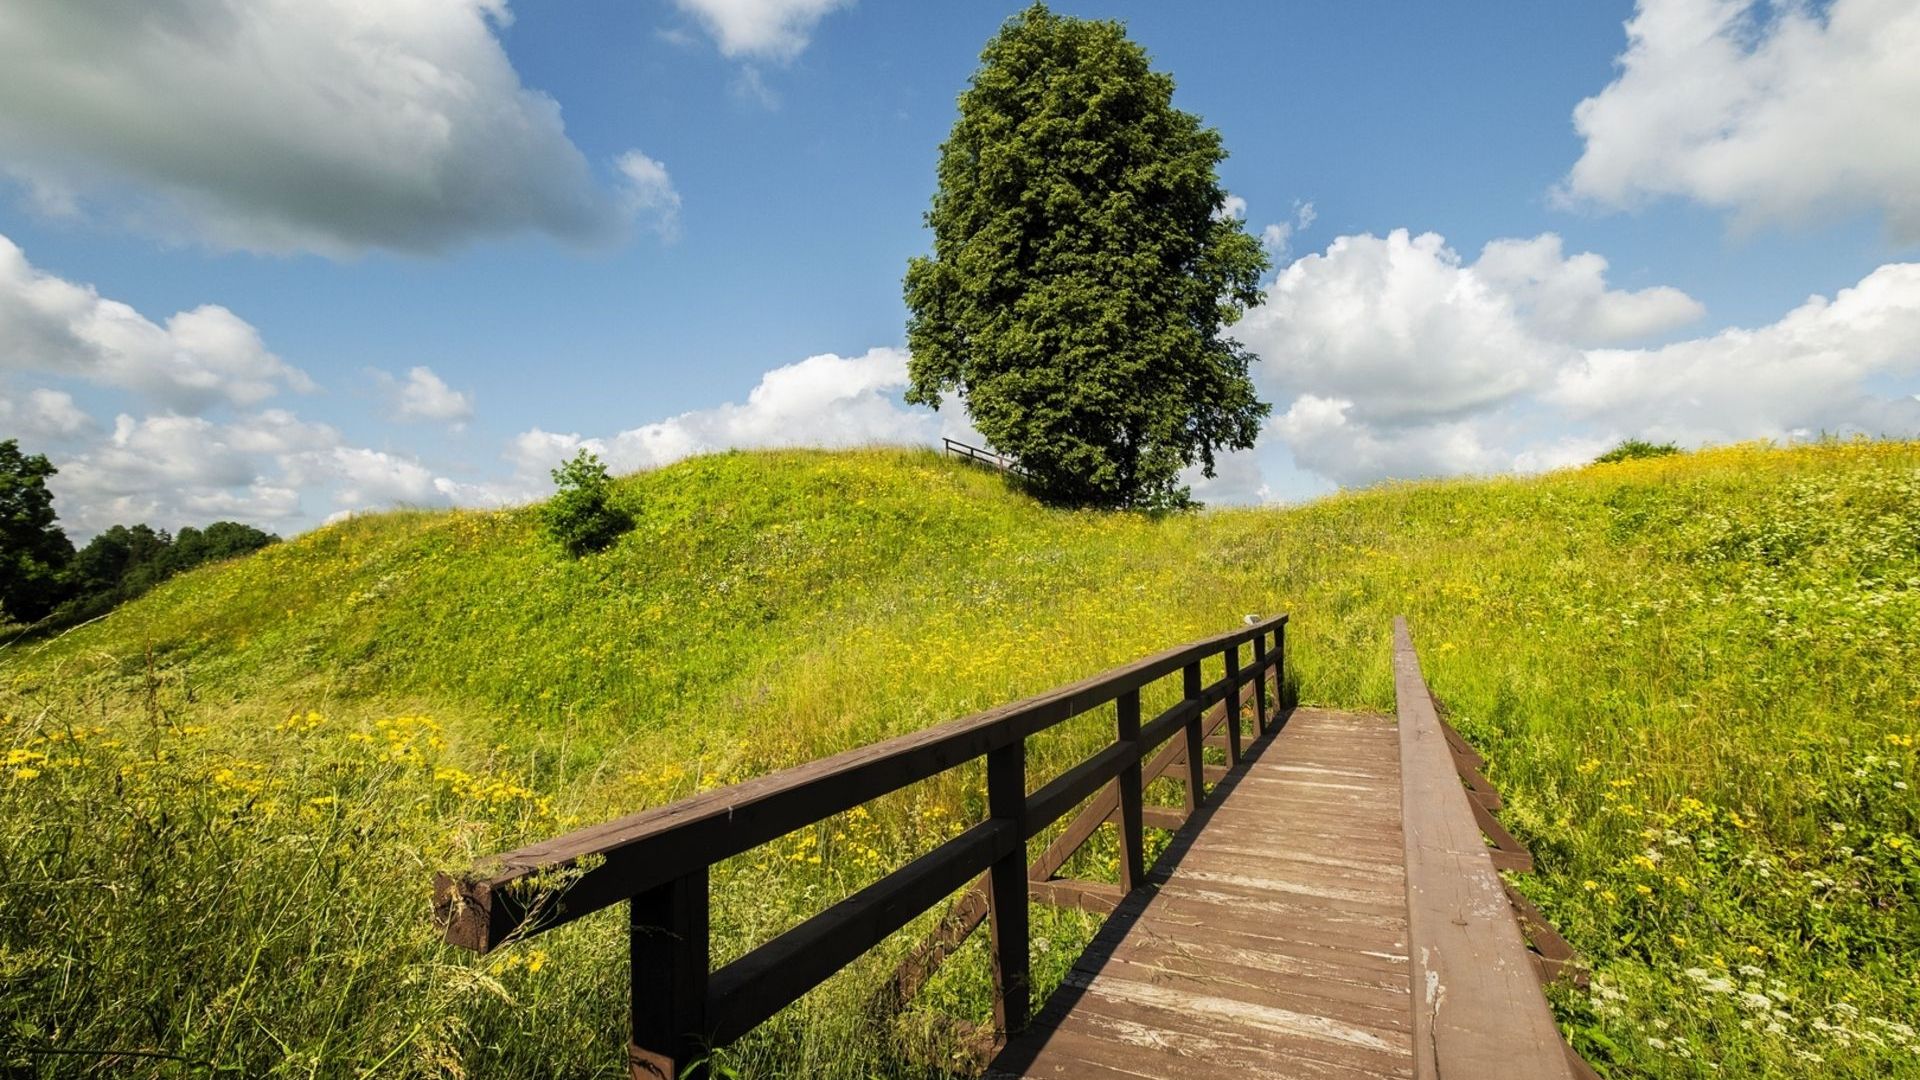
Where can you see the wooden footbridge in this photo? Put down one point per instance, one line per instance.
(1330, 903)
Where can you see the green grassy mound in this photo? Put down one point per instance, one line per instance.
(1697, 677)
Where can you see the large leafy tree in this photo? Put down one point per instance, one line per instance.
(1084, 270)
(33, 549)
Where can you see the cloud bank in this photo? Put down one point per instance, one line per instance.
(1782, 113)
(195, 360)
(1393, 357)
(1384, 356)
(821, 401)
(330, 126)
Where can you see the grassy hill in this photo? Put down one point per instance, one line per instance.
(1698, 679)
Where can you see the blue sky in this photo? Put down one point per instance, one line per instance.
(607, 221)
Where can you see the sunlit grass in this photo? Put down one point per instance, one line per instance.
(1697, 677)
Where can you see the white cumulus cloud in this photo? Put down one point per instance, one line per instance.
(649, 193)
(423, 395)
(269, 468)
(822, 401)
(333, 126)
(1779, 112)
(196, 359)
(1397, 326)
(1824, 367)
(1566, 297)
(1325, 439)
(374, 478)
(42, 414)
(760, 29)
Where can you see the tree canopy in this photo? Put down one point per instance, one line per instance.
(33, 548)
(1084, 270)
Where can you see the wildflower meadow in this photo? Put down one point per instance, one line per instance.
(1696, 678)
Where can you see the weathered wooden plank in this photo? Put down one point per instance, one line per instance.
(1256, 881)
(1386, 880)
(1498, 834)
(1170, 818)
(1249, 977)
(1098, 897)
(1478, 1010)
(1557, 954)
(1171, 1007)
(1333, 915)
(1369, 956)
(1314, 964)
(1169, 1046)
(1520, 862)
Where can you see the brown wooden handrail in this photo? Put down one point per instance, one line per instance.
(994, 458)
(658, 859)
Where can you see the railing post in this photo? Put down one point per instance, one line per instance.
(667, 950)
(1132, 848)
(1233, 705)
(1280, 667)
(1196, 741)
(1007, 887)
(1260, 682)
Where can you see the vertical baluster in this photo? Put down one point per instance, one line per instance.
(1132, 850)
(1233, 705)
(667, 952)
(1196, 741)
(1280, 668)
(1007, 887)
(1260, 683)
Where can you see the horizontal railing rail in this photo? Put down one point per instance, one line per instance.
(658, 860)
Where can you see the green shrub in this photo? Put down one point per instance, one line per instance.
(1634, 450)
(580, 516)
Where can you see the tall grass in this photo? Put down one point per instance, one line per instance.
(1697, 678)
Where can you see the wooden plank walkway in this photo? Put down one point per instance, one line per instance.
(1271, 939)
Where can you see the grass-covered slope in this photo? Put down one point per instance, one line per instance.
(1698, 678)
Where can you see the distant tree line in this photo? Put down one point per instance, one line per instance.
(42, 577)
